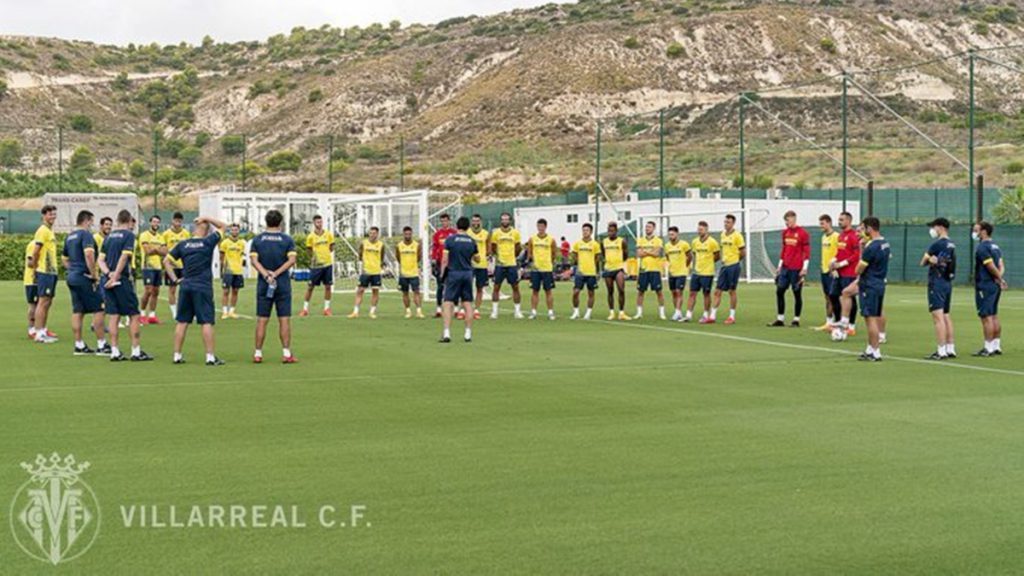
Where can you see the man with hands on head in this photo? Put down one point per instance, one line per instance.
(195, 299)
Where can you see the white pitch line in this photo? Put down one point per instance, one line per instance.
(946, 363)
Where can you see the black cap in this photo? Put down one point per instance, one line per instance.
(940, 221)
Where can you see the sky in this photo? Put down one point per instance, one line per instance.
(173, 21)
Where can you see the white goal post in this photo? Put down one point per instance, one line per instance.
(753, 223)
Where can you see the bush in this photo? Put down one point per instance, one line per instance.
(190, 157)
(259, 88)
(828, 45)
(981, 29)
(284, 161)
(202, 139)
(137, 169)
(80, 123)
(252, 168)
(3, 88)
(631, 43)
(12, 255)
(83, 161)
(339, 166)
(315, 95)
(121, 82)
(10, 153)
(115, 169)
(675, 50)
(232, 145)
(1015, 167)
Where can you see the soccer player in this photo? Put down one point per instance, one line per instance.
(679, 259)
(272, 253)
(320, 244)
(989, 283)
(847, 257)
(436, 254)
(409, 254)
(792, 270)
(734, 251)
(176, 233)
(371, 253)
(106, 225)
(940, 258)
(28, 278)
(154, 248)
(232, 271)
(196, 304)
(457, 259)
(482, 239)
(116, 265)
(649, 249)
(79, 257)
(44, 263)
(541, 250)
(615, 251)
(873, 269)
(585, 256)
(706, 252)
(506, 245)
(829, 276)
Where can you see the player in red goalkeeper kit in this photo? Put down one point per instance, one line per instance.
(792, 270)
(436, 252)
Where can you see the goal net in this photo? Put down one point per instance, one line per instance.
(759, 232)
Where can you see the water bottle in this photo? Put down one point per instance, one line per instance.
(271, 288)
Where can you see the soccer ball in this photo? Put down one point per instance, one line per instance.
(838, 335)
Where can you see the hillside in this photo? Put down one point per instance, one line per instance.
(509, 104)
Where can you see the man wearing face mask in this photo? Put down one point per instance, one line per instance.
(941, 262)
(989, 283)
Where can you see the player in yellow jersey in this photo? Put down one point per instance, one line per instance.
(232, 271)
(482, 238)
(586, 257)
(829, 276)
(649, 250)
(734, 251)
(506, 244)
(409, 254)
(615, 252)
(679, 256)
(44, 267)
(541, 250)
(153, 249)
(706, 252)
(28, 278)
(320, 245)
(172, 236)
(371, 255)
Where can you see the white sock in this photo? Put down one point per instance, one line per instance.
(950, 348)
(689, 314)
(447, 333)
(714, 313)
(152, 314)
(705, 314)
(576, 311)
(781, 317)
(639, 311)
(551, 313)
(519, 308)
(468, 335)
(355, 309)
(224, 310)
(32, 330)
(136, 350)
(231, 310)
(661, 310)
(494, 307)
(327, 304)
(305, 306)
(533, 312)
(373, 309)
(844, 321)
(79, 343)
(869, 350)
(115, 351)
(997, 344)
(881, 335)
(988, 346)
(210, 357)
(178, 356)
(101, 342)
(732, 313)
(796, 318)
(589, 310)
(257, 353)
(286, 352)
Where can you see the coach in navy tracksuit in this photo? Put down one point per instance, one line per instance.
(195, 300)
(460, 251)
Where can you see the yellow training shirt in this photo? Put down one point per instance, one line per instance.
(48, 250)
(505, 242)
(649, 263)
(480, 237)
(829, 249)
(731, 245)
(320, 244)
(234, 253)
(676, 254)
(614, 254)
(29, 276)
(586, 256)
(704, 256)
(152, 261)
(542, 249)
(408, 259)
(372, 253)
(171, 239)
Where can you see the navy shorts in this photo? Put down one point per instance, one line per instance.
(508, 274)
(195, 304)
(986, 299)
(830, 284)
(701, 283)
(940, 295)
(324, 277)
(155, 278)
(31, 294)
(369, 281)
(179, 273)
(458, 286)
(46, 285)
(121, 300)
(612, 273)
(85, 298)
(871, 302)
(540, 280)
(410, 284)
(236, 281)
(677, 283)
(281, 302)
(729, 277)
(789, 279)
(589, 282)
(845, 282)
(480, 277)
(649, 281)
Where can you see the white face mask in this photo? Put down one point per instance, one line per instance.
(933, 233)
(974, 235)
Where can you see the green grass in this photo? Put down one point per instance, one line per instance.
(542, 447)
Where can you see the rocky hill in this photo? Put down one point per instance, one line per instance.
(510, 104)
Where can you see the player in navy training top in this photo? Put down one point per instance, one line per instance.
(460, 251)
(119, 294)
(989, 283)
(79, 258)
(272, 254)
(941, 262)
(195, 299)
(873, 270)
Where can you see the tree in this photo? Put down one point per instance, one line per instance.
(1010, 209)
(137, 169)
(115, 169)
(202, 139)
(207, 42)
(284, 161)
(83, 161)
(10, 153)
(121, 82)
(395, 25)
(232, 145)
(181, 115)
(80, 123)
(190, 157)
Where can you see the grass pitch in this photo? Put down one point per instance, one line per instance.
(542, 447)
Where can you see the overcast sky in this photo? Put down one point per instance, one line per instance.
(171, 21)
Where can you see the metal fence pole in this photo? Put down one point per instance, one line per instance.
(743, 153)
(871, 198)
(597, 179)
(245, 150)
(905, 238)
(156, 168)
(60, 158)
(980, 197)
(661, 162)
(330, 163)
(845, 135)
(401, 163)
